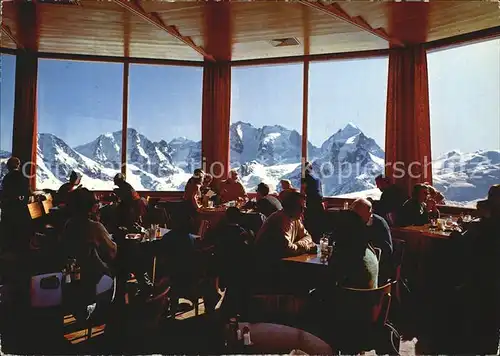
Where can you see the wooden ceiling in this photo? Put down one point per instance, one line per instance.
(188, 30)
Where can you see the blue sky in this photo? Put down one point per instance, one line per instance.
(80, 100)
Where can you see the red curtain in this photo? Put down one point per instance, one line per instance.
(216, 115)
(24, 140)
(408, 142)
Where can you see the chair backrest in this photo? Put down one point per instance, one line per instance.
(204, 226)
(156, 215)
(365, 306)
(47, 205)
(398, 252)
(35, 210)
(46, 290)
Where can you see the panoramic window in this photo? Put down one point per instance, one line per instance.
(7, 88)
(79, 122)
(464, 85)
(266, 124)
(346, 124)
(164, 126)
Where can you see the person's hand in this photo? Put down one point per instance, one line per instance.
(312, 248)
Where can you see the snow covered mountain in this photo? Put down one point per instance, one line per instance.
(269, 145)
(347, 162)
(466, 177)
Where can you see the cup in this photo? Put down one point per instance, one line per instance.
(440, 224)
(210, 204)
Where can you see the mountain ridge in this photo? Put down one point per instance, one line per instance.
(269, 153)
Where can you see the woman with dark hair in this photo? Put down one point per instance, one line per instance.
(88, 242)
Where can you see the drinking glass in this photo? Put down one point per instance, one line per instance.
(449, 222)
(433, 223)
(346, 205)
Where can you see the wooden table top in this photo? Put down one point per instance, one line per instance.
(282, 339)
(424, 230)
(306, 258)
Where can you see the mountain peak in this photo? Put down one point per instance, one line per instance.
(351, 126)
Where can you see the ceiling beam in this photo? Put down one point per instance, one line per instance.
(156, 21)
(336, 11)
(6, 30)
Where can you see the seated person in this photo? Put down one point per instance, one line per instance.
(265, 204)
(233, 251)
(414, 211)
(435, 194)
(232, 189)
(74, 183)
(207, 190)
(283, 233)
(130, 207)
(391, 201)
(192, 193)
(378, 233)
(198, 173)
(88, 242)
(179, 253)
(481, 287)
(286, 186)
(353, 262)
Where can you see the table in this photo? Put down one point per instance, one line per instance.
(313, 259)
(281, 339)
(424, 230)
(427, 255)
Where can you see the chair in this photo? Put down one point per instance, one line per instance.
(156, 215)
(204, 226)
(47, 205)
(105, 292)
(35, 210)
(398, 255)
(46, 290)
(361, 322)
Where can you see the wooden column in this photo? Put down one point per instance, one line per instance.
(24, 140)
(216, 106)
(305, 108)
(126, 71)
(216, 116)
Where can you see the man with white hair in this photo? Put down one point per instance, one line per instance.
(378, 234)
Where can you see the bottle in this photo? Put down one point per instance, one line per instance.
(323, 244)
(77, 272)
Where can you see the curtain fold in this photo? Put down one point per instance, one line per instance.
(216, 115)
(24, 140)
(408, 141)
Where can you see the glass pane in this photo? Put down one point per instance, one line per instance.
(79, 122)
(266, 124)
(164, 126)
(464, 85)
(347, 113)
(7, 88)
